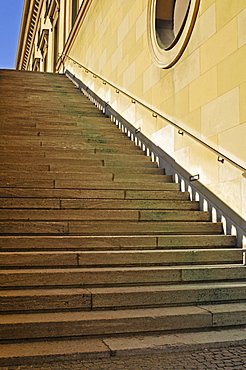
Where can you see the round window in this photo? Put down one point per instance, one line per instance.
(170, 23)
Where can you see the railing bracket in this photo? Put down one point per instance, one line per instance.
(234, 224)
(194, 178)
(221, 159)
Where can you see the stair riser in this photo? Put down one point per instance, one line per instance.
(105, 214)
(109, 175)
(63, 300)
(29, 243)
(108, 228)
(63, 164)
(83, 184)
(47, 302)
(170, 192)
(136, 258)
(75, 171)
(109, 277)
(170, 298)
(66, 142)
(26, 203)
(28, 162)
(83, 328)
(78, 132)
(168, 323)
(9, 153)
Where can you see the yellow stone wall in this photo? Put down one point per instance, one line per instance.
(204, 92)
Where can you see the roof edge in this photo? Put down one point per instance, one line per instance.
(22, 33)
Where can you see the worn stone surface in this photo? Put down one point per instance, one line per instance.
(96, 240)
(203, 351)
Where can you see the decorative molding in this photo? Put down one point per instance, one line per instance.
(36, 64)
(28, 28)
(43, 40)
(54, 7)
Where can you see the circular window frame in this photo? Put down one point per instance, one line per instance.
(166, 58)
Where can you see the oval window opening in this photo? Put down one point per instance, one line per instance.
(170, 24)
(170, 19)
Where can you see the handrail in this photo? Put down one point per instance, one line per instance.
(233, 224)
(221, 157)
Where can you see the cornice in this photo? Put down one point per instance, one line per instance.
(27, 31)
(30, 16)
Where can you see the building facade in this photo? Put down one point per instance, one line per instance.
(184, 60)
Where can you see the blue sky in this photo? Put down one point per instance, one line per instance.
(10, 19)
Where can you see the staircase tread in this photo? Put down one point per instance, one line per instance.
(69, 176)
(124, 269)
(123, 252)
(126, 289)
(127, 313)
(89, 349)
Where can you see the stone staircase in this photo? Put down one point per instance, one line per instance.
(95, 239)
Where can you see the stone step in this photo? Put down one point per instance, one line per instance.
(51, 203)
(165, 191)
(9, 168)
(174, 242)
(103, 214)
(8, 161)
(82, 139)
(10, 155)
(31, 300)
(90, 184)
(41, 353)
(10, 151)
(60, 157)
(122, 227)
(109, 148)
(106, 277)
(71, 121)
(133, 228)
(118, 183)
(167, 295)
(25, 169)
(25, 151)
(64, 179)
(120, 258)
(77, 132)
(10, 177)
(52, 120)
(103, 126)
(113, 169)
(76, 165)
(87, 230)
(80, 324)
(69, 144)
(72, 144)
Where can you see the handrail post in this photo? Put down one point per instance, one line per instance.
(172, 168)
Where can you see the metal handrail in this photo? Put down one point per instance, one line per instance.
(221, 157)
(233, 224)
